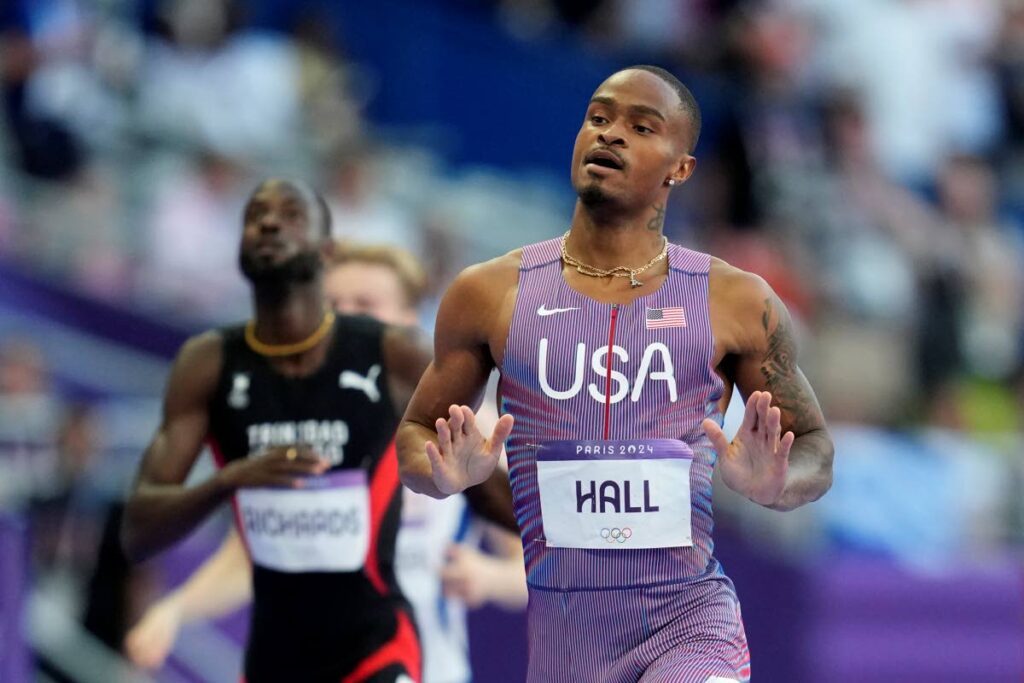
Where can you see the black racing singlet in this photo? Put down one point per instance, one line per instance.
(345, 620)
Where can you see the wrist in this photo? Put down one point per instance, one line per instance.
(224, 481)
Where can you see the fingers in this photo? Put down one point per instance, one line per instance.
(764, 404)
(502, 429)
(785, 445)
(299, 459)
(717, 436)
(750, 413)
(455, 421)
(773, 426)
(468, 420)
(433, 455)
(444, 437)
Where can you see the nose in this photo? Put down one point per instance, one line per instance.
(611, 137)
(269, 224)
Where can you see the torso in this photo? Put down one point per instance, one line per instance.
(661, 384)
(729, 333)
(343, 409)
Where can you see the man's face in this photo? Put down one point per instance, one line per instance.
(633, 139)
(369, 289)
(281, 236)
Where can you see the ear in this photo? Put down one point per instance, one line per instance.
(683, 170)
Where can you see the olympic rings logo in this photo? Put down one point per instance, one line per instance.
(616, 535)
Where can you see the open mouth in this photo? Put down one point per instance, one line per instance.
(605, 159)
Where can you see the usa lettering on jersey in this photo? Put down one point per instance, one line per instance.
(655, 366)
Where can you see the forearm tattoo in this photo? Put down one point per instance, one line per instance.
(782, 376)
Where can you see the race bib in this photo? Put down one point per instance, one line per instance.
(324, 527)
(615, 494)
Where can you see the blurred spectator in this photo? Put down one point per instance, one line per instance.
(990, 256)
(327, 85)
(75, 230)
(43, 147)
(212, 85)
(66, 519)
(869, 239)
(922, 68)
(535, 18)
(362, 208)
(1009, 69)
(191, 258)
(29, 422)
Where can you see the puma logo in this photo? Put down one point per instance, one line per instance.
(368, 384)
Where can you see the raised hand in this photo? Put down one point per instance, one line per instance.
(756, 462)
(281, 466)
(462, 456)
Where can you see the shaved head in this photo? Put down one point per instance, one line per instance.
(305, 190)
(687, 102)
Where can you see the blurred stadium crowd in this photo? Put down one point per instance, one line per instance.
(866, 157)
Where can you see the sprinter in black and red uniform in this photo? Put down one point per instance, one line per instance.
(300, 409)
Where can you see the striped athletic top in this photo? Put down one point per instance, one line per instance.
(578, 369)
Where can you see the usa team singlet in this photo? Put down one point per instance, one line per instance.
(326, 605)
(611, 477)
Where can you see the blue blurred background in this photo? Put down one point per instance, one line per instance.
(866, 157)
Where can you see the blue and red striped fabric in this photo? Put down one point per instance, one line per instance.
(560, 380)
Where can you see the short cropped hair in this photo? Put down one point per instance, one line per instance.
(686, 98)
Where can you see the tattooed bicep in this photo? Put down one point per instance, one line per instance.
(771, 365)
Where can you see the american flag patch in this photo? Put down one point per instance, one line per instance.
(658, 318)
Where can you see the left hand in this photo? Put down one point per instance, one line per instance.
(466, 575)
(756, 462)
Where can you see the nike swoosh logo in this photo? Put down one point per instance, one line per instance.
(542, 311)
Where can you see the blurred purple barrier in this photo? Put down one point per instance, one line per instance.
(14, 657)
(876, 622)
(843, 619)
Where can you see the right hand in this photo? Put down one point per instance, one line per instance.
(150, 641)
(281, 467)
(462, 457)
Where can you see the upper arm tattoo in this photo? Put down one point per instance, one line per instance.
(787, 384)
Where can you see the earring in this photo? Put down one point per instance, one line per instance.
(671, 181)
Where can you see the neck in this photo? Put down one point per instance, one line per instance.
(604, 239)
(289, 314)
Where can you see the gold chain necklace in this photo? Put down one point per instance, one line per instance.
(288, 349)
(617, 271)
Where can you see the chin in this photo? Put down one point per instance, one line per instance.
(593, 194)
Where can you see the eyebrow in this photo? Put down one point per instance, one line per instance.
(635, 108)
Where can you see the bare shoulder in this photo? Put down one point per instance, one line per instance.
(737, 290)
(742, 305)
(479, 303)
(196, 369)
(490, 280)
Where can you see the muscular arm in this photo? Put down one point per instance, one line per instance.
(766, 360)
(457, 376)
(160, 510)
